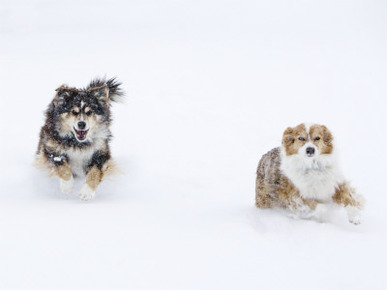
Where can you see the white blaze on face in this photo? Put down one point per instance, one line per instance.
(303, 150)
(307, 127)
(81, 127)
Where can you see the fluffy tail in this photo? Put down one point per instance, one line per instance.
(115, 91)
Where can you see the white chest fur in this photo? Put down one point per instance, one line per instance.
(315, 178)
(79, 159)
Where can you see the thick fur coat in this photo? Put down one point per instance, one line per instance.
(303, 176)
(74, 141)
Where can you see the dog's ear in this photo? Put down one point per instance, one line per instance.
(101, 93)
(327, 136)
(288, 138)
(63, 93)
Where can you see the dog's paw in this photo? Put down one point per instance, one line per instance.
(87, 193)
(353, 214)
(66, 186)
(355, 220)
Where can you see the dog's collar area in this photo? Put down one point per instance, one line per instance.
(71, 141)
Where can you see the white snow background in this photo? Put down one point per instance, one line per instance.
(211, 86)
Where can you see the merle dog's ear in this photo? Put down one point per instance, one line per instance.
(101, 93)
(327, 136)
(288, 138)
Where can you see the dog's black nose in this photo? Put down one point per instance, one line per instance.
(310, 151)
(81, 125)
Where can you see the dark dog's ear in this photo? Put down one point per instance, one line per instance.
(101, 93)
(327, 136)
(63, 93)
(288, 138)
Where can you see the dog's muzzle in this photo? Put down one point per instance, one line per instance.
(81, 132)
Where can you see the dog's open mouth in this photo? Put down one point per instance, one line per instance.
(81, 134)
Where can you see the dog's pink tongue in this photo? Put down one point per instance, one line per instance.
(82, 134)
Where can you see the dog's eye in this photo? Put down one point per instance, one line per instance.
(301, 138)
(74, 112)
(317, 138)
(88, 113)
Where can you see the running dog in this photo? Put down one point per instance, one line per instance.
(74, 141)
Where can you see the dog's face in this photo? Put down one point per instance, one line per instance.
(307, 141)
(82, 113)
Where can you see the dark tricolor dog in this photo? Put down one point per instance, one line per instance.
(74, 140)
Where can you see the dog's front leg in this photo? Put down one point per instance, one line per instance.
(308, 209)
(353, 203)
(62, 170)
(93, 179)
(319, 211)
(65, 174)
(66, 180)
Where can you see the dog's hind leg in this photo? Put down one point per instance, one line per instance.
(262, 195)
(93, 179)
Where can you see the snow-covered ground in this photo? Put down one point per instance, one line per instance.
(211, 86)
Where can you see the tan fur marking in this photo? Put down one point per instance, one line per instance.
(96, 88)
(262, 198)
(94, 177)
(290, 140)
(68, 122)
(345, 195)
(325, 143)
(311, 203)
(51, 144)
(107, 94)
(64, 171)
(41, 162)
